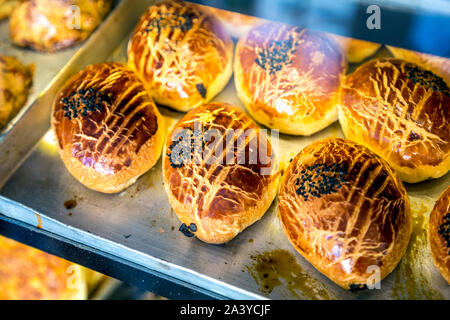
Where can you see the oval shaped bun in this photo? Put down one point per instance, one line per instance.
(108, 128)
(221, 198)
(15, 83)
(30, 274)
(182, 53)
(401, 112)
(289, 78)
(439, 234)
(45, 25)
(345, 210)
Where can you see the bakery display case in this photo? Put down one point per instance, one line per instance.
(136, 225)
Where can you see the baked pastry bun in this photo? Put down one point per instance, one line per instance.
(108, 128)
(236, 24)
(401, 112)
(30, 274)
(51, 25)
(356, 50)
(439, 234)
(182, 53)
(15, 83)
(288, 78)
(345, 210)
(438, 65)
(218, 181)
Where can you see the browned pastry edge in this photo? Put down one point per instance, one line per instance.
(37, 25)
(289, 78)
(401, 112)
(439, 234)
(108, 147)
(183, 54)
(345, 210)
(221, 200)
(15, 84)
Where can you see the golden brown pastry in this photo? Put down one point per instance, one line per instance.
(401, 112)
(439, 234)
(357, 50)
(7, 6)
(183, 54)
(107, 126)
(289, 78)
(438, 65)
(218, 183)
(51, 25)
(345, 210)
(236, 24)
(30, 274)
(15, 84)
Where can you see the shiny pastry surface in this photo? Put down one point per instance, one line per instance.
(289, 78)
(108, 128)
(183, 54)
(439, 234)
(51, 25)
(226, 182)
(346, 211)
(401, 112)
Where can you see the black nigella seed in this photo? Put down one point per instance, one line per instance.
(202, 90)
(320, 179)
(193, 227)
(185, 231)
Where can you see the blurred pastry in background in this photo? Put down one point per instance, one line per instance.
(289, 78)
(7, 6)
(401, 112)
(108, 128)
(15, 83)
(218, 183)
(438, 65)
(236, 24)
(51, 25)
(439, 234)
(30, 274)
(183, 54)
(346, 211)
(356, 50)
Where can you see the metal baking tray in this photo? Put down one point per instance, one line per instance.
(139, 227)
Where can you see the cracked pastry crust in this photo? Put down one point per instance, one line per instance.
(107, 126)
(45, 25)
(439, 234)
(183, 54)
(30, 274)
(401, 112)
(288, 78)
(15, 84)
(436, 64)
(220, 198)
(344, 209)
